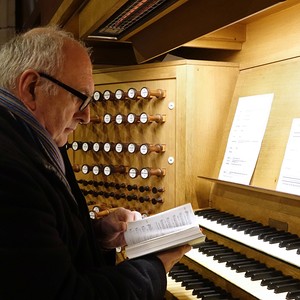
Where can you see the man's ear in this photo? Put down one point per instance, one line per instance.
(26, 88)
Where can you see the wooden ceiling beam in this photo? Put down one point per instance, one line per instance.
(191, 20)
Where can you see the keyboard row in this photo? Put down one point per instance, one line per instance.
(277, 243)
(249, 274)
(187, 284)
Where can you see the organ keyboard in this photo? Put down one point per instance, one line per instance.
(249, 274)
(262, 261)
(280, 244)
(185, 283)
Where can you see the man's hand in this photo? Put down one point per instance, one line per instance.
(110, 229)
(170, 257)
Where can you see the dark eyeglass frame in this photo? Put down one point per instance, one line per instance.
(86, 100)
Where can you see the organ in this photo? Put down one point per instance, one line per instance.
(188, 106)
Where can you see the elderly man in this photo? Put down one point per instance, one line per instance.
(49, 247)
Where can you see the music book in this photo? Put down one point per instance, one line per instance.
(168, 229)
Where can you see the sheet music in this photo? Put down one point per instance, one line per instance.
(245, 138)
(289, 178)
(160, 224)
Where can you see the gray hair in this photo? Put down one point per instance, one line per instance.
(39, 49)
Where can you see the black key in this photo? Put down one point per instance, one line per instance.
(292, 294)
(192, 280)
(250, 273)
(203, 212)
(229, 257)
(242, 262)
(268, 232)
(293, 245)
(278, 239)
(272, 234)
(258, 231)
(178, 266)
(234, 264)
(246, 227)
(266, 282)
(229, 220)
(229, 216)
(239, 224)
(224, 296)
(275, 235)
(239, 220)
(184, 277)
(177, 271)
(214, 296)
(203, 294)
(208, 214)
(284, 243)
(208, 243)
(221, 249)
(221, 256)
(216, 216)
(251, 229)
(195, 285)
(203, 288)
(283, 288)
(174, 273)
(257, 275)
(275, 282)
(244, 268)
(209, 248)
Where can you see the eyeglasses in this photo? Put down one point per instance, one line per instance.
(86, 100)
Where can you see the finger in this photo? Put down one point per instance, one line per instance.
(137, 216)
(186, 248)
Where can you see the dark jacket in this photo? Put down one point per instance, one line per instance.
(47, 245)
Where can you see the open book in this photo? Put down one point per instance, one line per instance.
(168, 229)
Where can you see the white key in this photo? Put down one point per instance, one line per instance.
(179, 291)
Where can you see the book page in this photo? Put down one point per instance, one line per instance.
(289, 178)
(160, 224)
(245, 138)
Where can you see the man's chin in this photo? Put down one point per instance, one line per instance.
(60, 142)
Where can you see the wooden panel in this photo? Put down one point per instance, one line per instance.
(195, 112)
(282, 79)
(229, 38)
(272, 38)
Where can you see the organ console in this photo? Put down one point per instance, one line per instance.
(253, 235)
(252, 249)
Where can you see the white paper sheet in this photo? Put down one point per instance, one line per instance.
(289, 178)
(245, 138)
